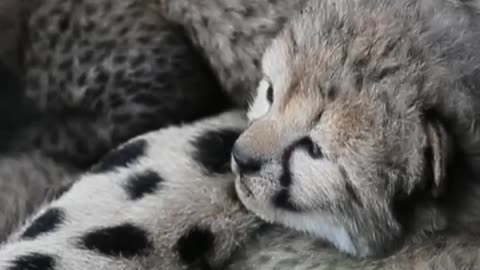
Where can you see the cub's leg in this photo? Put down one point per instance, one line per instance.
(164, 200)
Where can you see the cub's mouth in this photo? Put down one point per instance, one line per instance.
(242, 187)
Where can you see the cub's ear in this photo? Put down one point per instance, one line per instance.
(438, 154)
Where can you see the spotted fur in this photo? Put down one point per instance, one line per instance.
(27, 181)
(79, 78)
(232, 35)
(97, 73)
(162, 201)
(164, 210)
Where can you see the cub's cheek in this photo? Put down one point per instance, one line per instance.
(253, 202)
(245, 195)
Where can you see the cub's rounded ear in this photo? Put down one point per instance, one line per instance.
(438, 153)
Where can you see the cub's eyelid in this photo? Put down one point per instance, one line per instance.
(270, 93)
(260, 103)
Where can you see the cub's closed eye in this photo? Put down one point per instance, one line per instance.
(270, 93)
(262, 102)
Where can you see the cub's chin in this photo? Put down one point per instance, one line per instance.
(255, 198)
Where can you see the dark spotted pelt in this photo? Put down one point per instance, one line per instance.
(95, 74)
(100, 72)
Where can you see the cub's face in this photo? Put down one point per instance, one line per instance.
(330, 152)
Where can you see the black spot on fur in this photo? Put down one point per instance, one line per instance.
(59, 191)
(90, 9)
(138, 60)
(124, 240)
(160, 61)
(119, 19)
(144, 40)
(119, 59)
(46, 223)
(248, 12)
(33, 261)
(67, 45)
(123, 31)
(193, 247)
(142, 184)
(332, 92)
(121, 157)
(213, 149)
(313, 150)
(107, 6)
(148, 27)
(63, 24)
(106, 45)
(82, 79)
(86, 56)
(89, 27)
(41, 22)
(102, 76)
(306, 143)
(282, 200)
(52, 42)
(256, 63)
(66, 65)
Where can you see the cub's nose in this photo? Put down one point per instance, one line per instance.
(245, 163)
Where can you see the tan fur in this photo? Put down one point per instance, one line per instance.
(283, 249)
(371, 140)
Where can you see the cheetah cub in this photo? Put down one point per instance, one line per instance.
(364, 128)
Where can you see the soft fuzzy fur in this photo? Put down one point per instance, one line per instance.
(165, 200)
(157, 202)
(151, 202)
(98, 73)
(232, 35)
(26, 182)
(370, 137)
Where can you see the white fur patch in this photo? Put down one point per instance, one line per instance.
(260, 105)
(322, 225)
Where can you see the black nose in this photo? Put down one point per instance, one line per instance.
(246, 163)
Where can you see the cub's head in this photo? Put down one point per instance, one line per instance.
(339, 143)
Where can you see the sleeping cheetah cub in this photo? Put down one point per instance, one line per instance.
(165, 200)
(364, 131)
